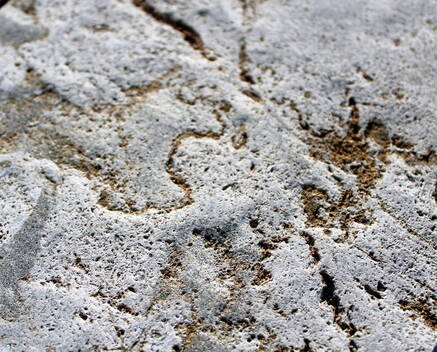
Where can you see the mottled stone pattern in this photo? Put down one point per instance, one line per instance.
(218, 175)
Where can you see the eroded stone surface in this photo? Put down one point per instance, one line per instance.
(253, 175)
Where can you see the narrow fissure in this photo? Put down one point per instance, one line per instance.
(312, 247)
(329, 296)
(245, 75)
(190, 35)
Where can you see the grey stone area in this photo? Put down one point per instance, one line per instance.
(218, 175)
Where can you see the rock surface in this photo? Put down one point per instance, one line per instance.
(218, 175)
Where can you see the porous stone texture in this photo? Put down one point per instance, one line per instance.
(218, 175)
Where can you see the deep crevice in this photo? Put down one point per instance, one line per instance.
(245, 75)
(3, 3)
(372, 292)
(329, 296)
(312, 246)
(252, 94)
(190, 35)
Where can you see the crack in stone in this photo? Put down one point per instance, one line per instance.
(312, 246)
(252, 94)
(245, 75)
(329, 296)
(190, 35)
(3, 3)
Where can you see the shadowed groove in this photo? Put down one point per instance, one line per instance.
(3, 3)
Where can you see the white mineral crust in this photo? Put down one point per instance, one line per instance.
(218, 175)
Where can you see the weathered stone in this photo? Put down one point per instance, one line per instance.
(253, 175)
